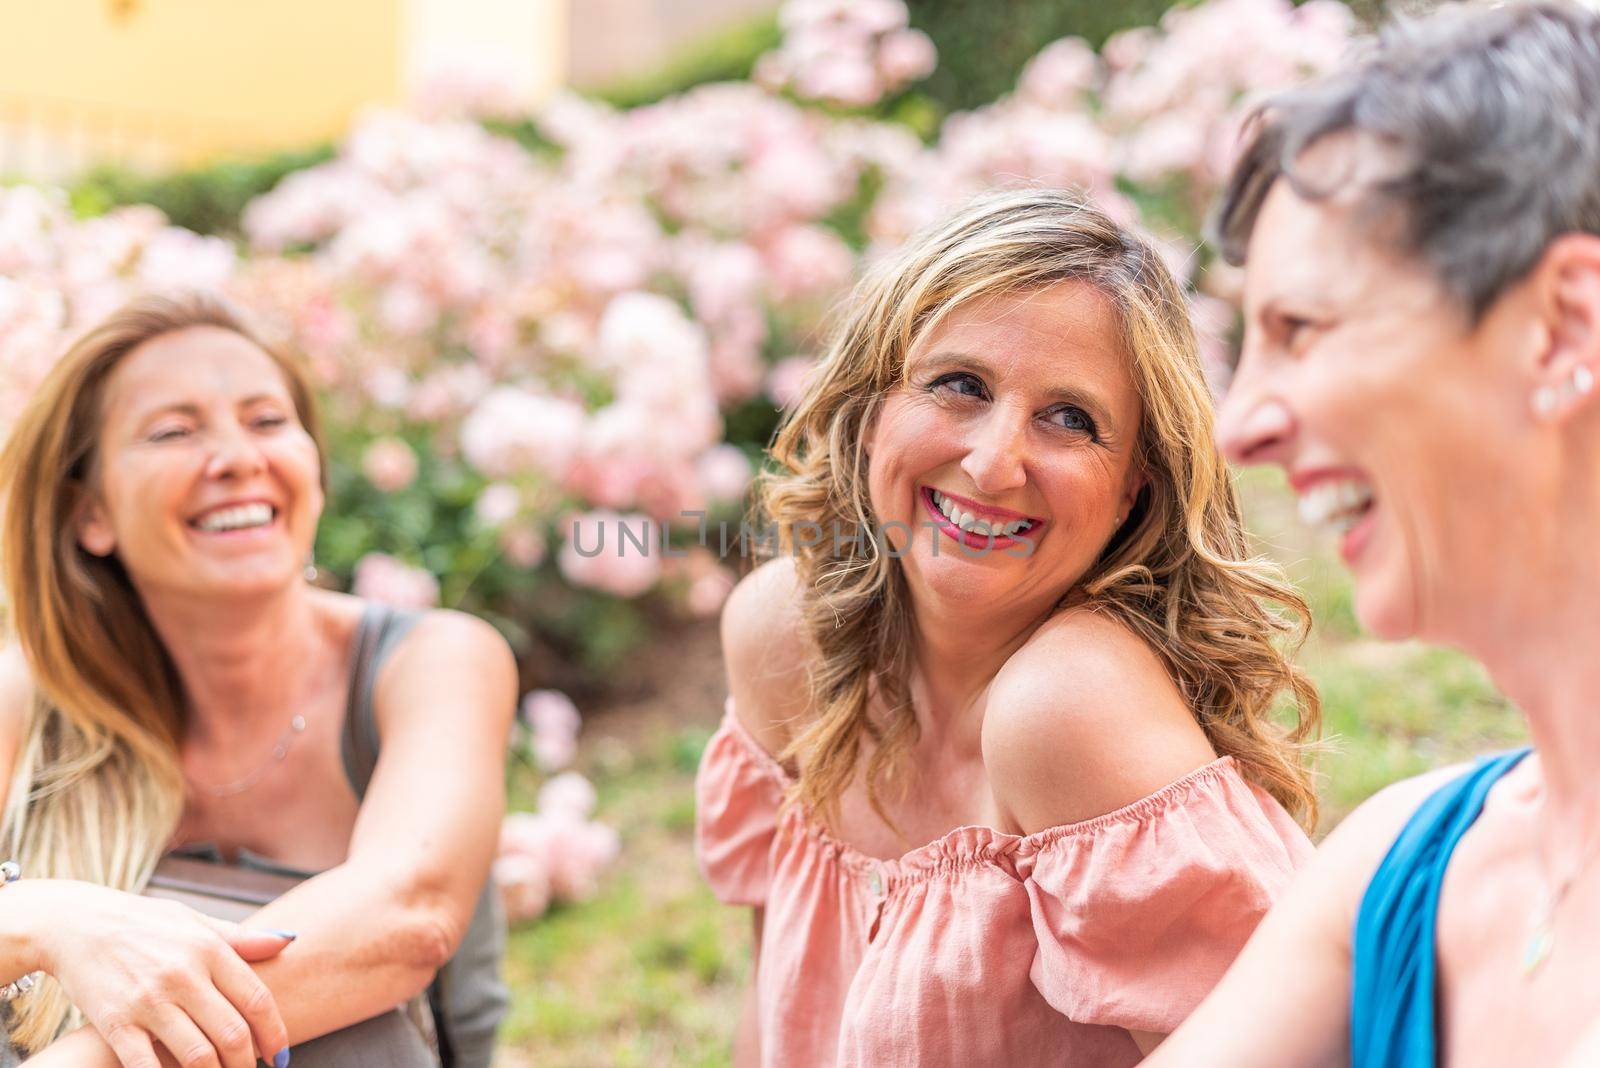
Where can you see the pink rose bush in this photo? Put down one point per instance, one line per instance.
(533, 333)
(851, 53)
(508, 337)
(557, 852)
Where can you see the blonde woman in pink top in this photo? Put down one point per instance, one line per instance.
(999, 776)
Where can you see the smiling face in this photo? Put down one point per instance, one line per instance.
(205, 481)
(1403, 426)
(1009, 450)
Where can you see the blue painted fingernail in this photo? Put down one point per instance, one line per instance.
(291, 936)
(282, 1059)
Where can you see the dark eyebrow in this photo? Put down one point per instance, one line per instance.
(965, 361)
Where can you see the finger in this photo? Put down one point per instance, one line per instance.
(224, 1024)
(251, 944)
(188, 1045)
(132, 1047)
(245, 991)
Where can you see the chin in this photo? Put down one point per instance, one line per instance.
(248, 581)
(1386, 609)
(952, 578)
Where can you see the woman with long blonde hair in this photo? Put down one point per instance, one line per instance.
(176, 681)
(1001, 775)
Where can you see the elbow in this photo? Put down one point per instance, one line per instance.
(426, 942)
(425, 931)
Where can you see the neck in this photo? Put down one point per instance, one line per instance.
(1539, 641)
(957, 655)
(242, 663)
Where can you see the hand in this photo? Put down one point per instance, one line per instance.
(144, 971)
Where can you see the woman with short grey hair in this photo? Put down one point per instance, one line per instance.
(1421, 234)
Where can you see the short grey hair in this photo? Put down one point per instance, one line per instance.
(1494, 116)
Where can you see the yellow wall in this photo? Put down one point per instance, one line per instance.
(163, 82)
(206, 75)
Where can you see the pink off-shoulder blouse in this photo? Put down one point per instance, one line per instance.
(985, 948)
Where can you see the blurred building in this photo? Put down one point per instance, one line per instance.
(161, 83)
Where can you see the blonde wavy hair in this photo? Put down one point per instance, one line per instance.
(96, 792)
(1179, 573)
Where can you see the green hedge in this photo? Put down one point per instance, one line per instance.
(728, 55)
(208, 199)
(983, 45)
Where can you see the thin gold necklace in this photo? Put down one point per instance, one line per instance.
(280, 749)
(1542, 933)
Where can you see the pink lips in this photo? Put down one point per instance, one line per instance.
(989, 542)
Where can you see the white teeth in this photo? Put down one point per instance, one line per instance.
(1336, 505)
(238, 517)
(972, 524)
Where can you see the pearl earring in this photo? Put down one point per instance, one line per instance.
(1579, 384)
(311, 572)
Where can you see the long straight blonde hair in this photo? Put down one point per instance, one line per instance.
(1180, 573)
(96, 792)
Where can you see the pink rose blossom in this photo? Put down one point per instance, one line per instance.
(523, 545)
(524, 884)
(724, 473)
(379, 577)
(569, 794)
(514, 430)
(787, 381)
(497, 504)
(620, 554)
(389, 464)
(906, 56)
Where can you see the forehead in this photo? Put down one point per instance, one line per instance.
(1337, 248)
(1066, 327)
(198, 362)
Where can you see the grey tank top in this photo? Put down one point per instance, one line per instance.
(468, 997)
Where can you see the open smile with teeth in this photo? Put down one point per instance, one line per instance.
(972, 524)
(1336, 505)
(235, 517)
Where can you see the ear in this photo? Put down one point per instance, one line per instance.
(95, 535)
(1137, 481)
(1566, 292)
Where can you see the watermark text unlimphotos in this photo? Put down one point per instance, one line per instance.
(640, 536)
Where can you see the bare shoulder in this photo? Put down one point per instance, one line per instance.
(452, 656)
(767, 653)
(1083, 720)
(1352, 851)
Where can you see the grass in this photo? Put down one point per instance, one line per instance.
(650, 972)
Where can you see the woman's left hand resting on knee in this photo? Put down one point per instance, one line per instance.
(373, 931)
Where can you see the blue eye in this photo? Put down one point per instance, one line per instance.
(1070, 418)
(962, 384)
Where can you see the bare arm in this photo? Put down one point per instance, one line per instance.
(375, 929)
(747, 1040)
(764, 648)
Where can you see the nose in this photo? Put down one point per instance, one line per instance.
(1254, 426)
(996, 451)
(234, 454)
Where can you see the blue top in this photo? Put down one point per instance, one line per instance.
(1392, 997)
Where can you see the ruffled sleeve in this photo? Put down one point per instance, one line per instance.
(1139, 912)
(738, 792)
